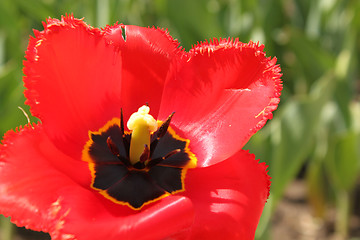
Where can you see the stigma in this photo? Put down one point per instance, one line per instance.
(142, 125)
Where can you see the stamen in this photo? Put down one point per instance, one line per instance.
(160, 133)
(171, 153)
(122, 124)
(155, 161)
(164, 127)
(122, 129)
(111, 145)
(115, 150)
(146, 154)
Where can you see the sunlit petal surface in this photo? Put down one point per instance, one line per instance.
(222, 93)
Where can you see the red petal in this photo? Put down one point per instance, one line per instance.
(146, 55)
(165, 218)
(222, 94)
(43, 189)
(228, 197)
(32, 172)
(72, 80)
(79, 77)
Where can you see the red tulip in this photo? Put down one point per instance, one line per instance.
(74, 174)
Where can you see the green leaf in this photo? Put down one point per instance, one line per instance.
(343, 161)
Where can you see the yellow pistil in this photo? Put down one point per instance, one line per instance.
(142, 125)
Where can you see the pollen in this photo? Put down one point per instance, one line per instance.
(142, 124)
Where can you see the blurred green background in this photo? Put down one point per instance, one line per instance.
(314, 138)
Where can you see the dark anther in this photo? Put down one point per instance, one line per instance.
(146, 154)
(164, 127)
(172, 153)
(122, 129)
(122, 124)
(161, 132)
(155, 161)
(113, 148)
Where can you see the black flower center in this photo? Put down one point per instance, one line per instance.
(160, 171)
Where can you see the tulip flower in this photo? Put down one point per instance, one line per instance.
(138, 138)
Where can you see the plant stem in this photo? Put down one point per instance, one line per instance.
(7, 229)
(343, 212)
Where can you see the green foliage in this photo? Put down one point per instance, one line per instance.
(317, 44)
